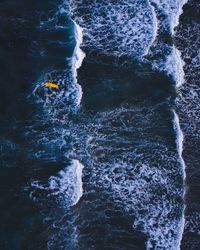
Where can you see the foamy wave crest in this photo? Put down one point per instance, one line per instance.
(180, 139)
(172, 64)
(139, 169)
(188, 108)
(132, 30)
(163, 55)
(68, 183)
(77, 59)
(68, 96)
(66, 187)
(168, 13)
(179, 142)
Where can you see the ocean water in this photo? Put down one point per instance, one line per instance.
(109, 160)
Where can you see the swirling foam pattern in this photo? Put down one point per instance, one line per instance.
(115, 28)
(137, 168)
(132, 183)
(188, 42)
(133, 177)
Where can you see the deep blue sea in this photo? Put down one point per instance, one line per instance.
(110, 159)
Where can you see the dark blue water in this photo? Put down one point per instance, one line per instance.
(187, 36)
(107, 173)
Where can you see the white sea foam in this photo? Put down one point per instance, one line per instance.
(134, 174)
(115, 28)
(177, 13)
(179, 143)
(69, 96)
(188, 99)
(68, 183)
(66, 186)
(139, 170)
(130, 29)
(179, 139)
(188, 109)
(77, 59)
(172, 64)
(171, 9)
(169, 59)
(155, 26)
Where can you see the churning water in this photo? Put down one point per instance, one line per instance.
(99, 163)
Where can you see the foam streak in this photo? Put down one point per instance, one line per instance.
(77, 59)
(179, 143)
(155, 27)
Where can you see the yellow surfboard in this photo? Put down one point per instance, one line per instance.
(51, 85)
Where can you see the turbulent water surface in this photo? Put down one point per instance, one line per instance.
(109, 160)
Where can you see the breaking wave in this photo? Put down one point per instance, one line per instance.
(66, 187)
(68, 97)
(187, 102)
(132, 30)
(139, 172)
(77, 59)
(127, 161)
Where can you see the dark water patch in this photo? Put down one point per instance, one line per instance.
(106, 86)
(27, 47)
(31, 42)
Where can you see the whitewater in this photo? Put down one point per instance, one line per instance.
(109, 159)
(172, 63)
(129, 169)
